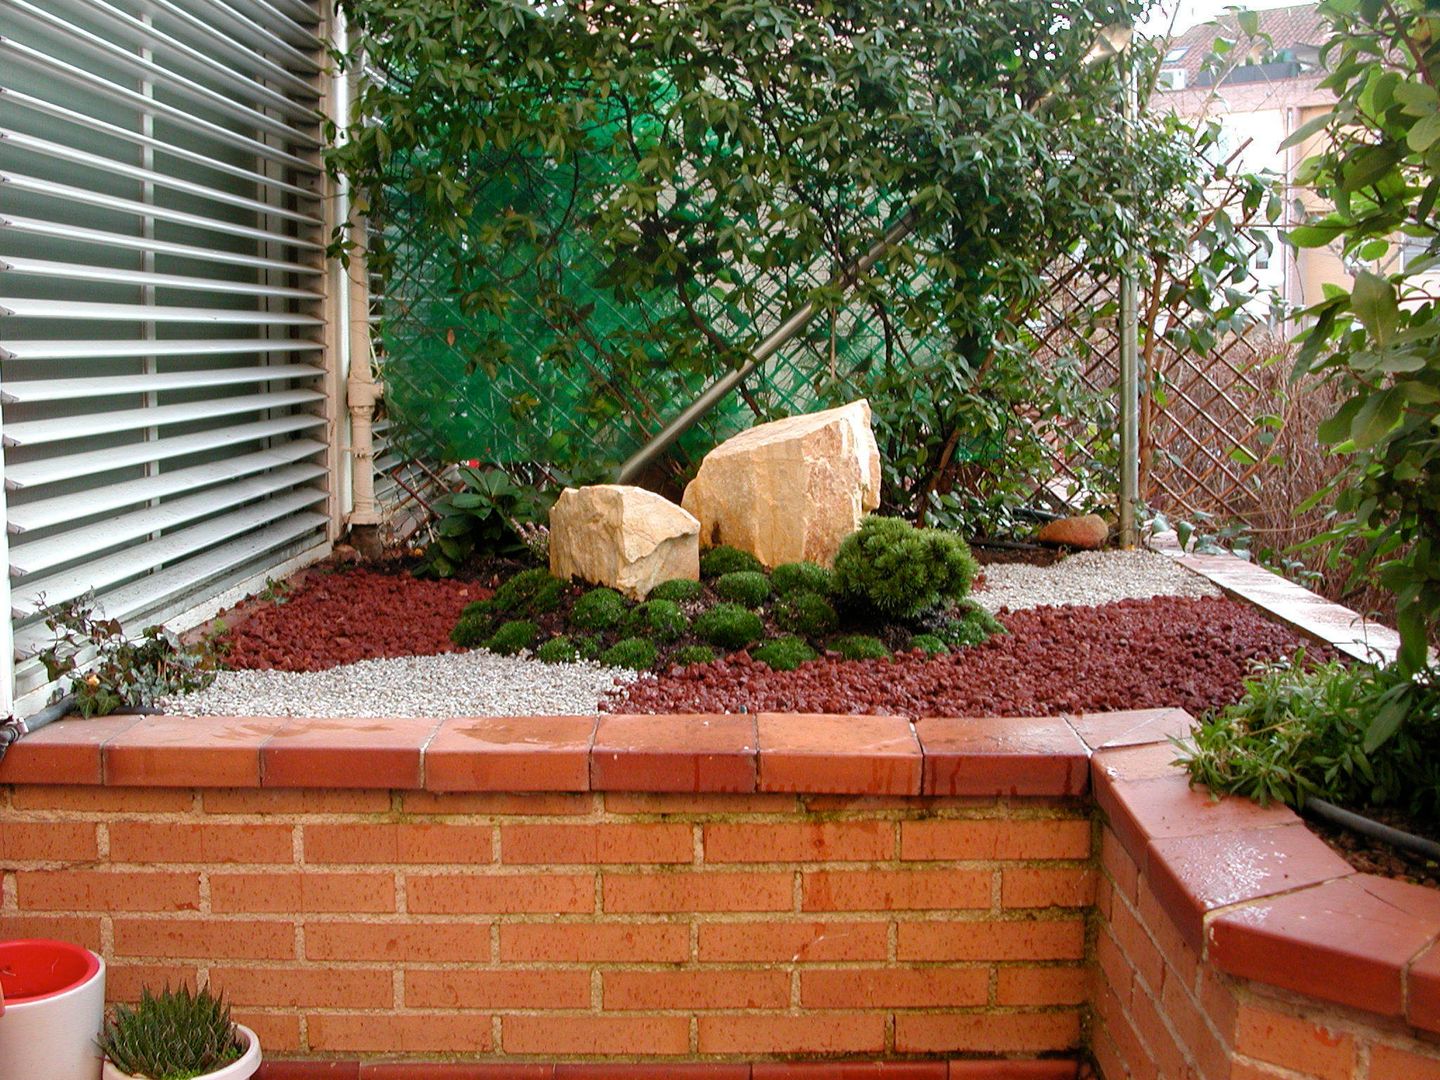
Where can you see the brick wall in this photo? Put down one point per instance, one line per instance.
(574, 926)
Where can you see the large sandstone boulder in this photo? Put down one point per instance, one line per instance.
(791, 489)
(625, 537)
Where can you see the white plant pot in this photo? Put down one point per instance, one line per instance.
(242, 1068)
(49, 1034)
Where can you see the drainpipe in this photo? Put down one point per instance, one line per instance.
(1129, 367)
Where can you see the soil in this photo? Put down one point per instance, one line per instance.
(1188, 653)
(1376, 857)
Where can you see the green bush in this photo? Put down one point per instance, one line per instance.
(694, 654)
(598, 609)
(677, 590)
(558, 650)
(530, 592)
(806, 613)
(860, 647)
(478, 607)
(748, 587)
(589, 647)
(730, 626)
(971, 625)
(929, 643)
(661, 620)
(900, 571)
(512, 637)
(784, 654)
(474, 628)
(792, 577)
(727, 560)
(632, 652)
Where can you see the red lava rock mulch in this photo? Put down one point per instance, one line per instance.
(1134, 654)
(1370, 856)
(338, 618)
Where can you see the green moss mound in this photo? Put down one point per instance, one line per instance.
(971, 625)
(795, 577)
(730, 626)
(748, 587)
(929, 643)
(807, 614)
(589, 647)
(860, 647)
(512, 637)
(473, 629)
(694, 654)
(633, 652)
(676, 590)
(899, 571)
(727, 560)
(530, 592)
(558, 650)
(598, 609)
(660, 620)
(784, 654)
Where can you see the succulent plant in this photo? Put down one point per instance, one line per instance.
(173, 1035)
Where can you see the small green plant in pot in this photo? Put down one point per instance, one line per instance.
(177, 1035)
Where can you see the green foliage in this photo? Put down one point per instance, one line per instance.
(125, 672)
(1302, 731)
(899, 571)
(530, 592)
(598, 609)
(661, 620)
(631, 652)
(748, 587)
(784, 653)
(483, 516)
(558, 650)
(513, 636)
(795, 577)
(970, 625)
(1379, 167)
(730, 626)
(694, 654)
(728, 560)
(474, 627)
(859, 647)
(173, 1035)
(930, 644)
(677, 590)
(589, 647)
(806, 613)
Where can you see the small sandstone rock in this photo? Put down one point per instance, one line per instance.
(791, 489)
(1088, 532)
(625, 537)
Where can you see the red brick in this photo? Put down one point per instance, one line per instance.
(482, 989)
(896, 890)
(559, 845)
(1040, 986)
(47, 841)
(659, 1035)
(302, 893)
(1157, 1034)
(1039, 939)
(1139, 950)
(761, 1033)
(401, 1033)
(84, 931)
(496, 804)
(398, 843)
(687, 892)
(931, 1033)
(125, 979)
(437, 942)
(99, 890)
(987, 839)
(333, 987)
(792, 942)
(660, 943)
(108, 800)
(838, 841)
(1173, 945)
(1392, 1063)
(667, 802)
(555, 894)
(278, 1032)
(848, 988)
(1118, 864)
(266, 801)
(166, 842)
(1295, 1043)
(1112, 964)
(205, 939)
(1045, 887)
(698, 989)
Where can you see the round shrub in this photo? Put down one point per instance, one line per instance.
(929, 643)
(727, 560)
(478, 607)
(748, 587)
(598, 609)
(632, 652)
(899, 571)
(784, 654)
(694, 654)
(474, 628)
(793, 577)
(972, 625)
(530, 592)
(558, 650)
(730, 626)
(676, 590)
(860, 647)
(661, 620)
(589, 648)
(513, 636)
(806, 613)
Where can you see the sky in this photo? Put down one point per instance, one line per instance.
(1189, 13)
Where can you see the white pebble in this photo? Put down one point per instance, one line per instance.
(1089, 578)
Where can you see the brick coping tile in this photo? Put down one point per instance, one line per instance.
(967, 1069)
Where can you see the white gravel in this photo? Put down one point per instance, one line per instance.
(450, 684)
(1088, 578)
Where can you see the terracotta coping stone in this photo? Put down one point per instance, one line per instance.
(695, 753)
(973, 1069)
(815, 753)
(1002, 756)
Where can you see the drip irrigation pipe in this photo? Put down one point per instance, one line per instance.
(1417, 845)
(12, 729)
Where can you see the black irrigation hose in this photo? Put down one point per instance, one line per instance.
(1418, 845)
